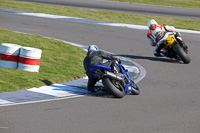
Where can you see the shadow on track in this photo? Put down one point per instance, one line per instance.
(160, 59)
(100, 94)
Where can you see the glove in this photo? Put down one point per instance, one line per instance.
(118, 59)
(178, 34)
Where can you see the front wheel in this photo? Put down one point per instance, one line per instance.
(135, 88)
(184, 57)
(114, 87)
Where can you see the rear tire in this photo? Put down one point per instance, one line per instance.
(184, 57)
(117, 92)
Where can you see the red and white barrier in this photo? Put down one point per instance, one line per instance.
(29, 59)
(9, 55)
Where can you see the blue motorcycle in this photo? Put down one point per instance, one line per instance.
(116, 81)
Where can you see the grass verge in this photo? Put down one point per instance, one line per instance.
(59, 62)
(100, 15)
(177, 3)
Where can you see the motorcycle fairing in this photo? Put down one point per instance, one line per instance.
(96, 67)
(170, 40)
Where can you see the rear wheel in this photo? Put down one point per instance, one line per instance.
(184, 57)
(114, 87)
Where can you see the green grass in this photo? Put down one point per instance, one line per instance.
(177, 3)
(100, 15)
(59, 62)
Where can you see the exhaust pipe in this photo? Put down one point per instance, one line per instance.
(114, 76)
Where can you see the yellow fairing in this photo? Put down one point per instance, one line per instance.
(170, 40)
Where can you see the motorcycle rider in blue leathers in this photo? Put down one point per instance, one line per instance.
(95, 57)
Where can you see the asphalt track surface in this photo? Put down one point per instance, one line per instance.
(135, 8)
(169, 99)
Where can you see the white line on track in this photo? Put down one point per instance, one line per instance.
(45, 100)
(140, 27)
(43, 15)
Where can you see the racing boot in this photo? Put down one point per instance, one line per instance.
(95, 89)
(166, 54)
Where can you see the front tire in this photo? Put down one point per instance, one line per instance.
(135, 88)
(184, 57)
(114, 87)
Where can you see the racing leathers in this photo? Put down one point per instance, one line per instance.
(158, 33)
(96, 58)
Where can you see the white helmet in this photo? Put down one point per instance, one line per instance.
(151, 22)
(92, 48)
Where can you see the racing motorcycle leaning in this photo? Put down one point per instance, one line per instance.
(116, 82)
(175, 50)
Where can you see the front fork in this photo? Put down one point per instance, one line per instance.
(128, 88)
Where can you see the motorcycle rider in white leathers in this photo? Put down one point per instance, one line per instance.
(158, 33)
